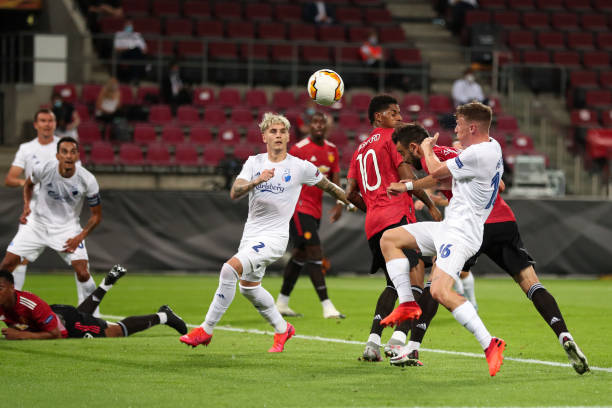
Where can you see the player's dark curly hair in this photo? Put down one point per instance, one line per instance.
(67, 139)
(5, 274)
(379, 103)
(409, 133)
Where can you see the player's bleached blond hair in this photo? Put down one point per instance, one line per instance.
(271, 118)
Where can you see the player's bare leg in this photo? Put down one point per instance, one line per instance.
(546, 305)
(15, 264)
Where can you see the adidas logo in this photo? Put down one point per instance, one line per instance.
(221, 295)
(313, 158)
(422, 326)
(377, 317)
(554, 320)
(95, 298)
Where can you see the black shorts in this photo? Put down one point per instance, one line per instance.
(304, 230)
(378, 260)
(79, 324)
(502, 243)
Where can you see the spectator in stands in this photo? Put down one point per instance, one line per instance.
(173, 90)
(96, 9)
(370, 51)
(458, 8)
(66, 116)
(108, 102)
(131, 52)
(318, 12)
(466, 89)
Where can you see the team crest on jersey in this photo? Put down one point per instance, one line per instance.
(331, 157)
(324, 169)
(287, 176)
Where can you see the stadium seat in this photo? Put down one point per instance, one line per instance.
(159, 47)
(160, 114)
(358, 34)
(535, 20)
(253, 134)
(495, 105)
(315, 54)
(256, 50)
(82, 110)
(243, 150)
(492, 4)
(186, 155)
(584, 117)
(348, 120)
(135, 7)
(507, 19)
(283, 100)
(360, 102)
(158, 155)
(338, 137)
(439, 103)
(165, 8)
(594, 22)
(255, 99)
(445, 138)
(477, 17)
(391, 35)
(127, 96)
(240, 30)
(378, 16)
(603, 5)
(203, 96)
(187, 115)
(605, 79)
(596, 59)
(200, 135)
(606, 118)
(565, 21)
(604, 40)
(598, 98)
(89, 133)
(130, 154)
(506, 124)
(147, 25)
(190, 48)
(214, 116)
(521, 4)
(209, 29)
(288, 12)
(522, 142)
(500, 138)
(228, 10)
(179, 26)
(578, 6)
(580, 41)
(212, 155)
(271, 31)
(282, 53)
(258, 11)
(172, 135)
(331, 33)
(521, 39)
(142, 96)
(228, 97)
(66, 91)
(102, 153)
(413, 102)
(551, 40)
(550, 5)
(89, 93)
(536, 57)
(228, 135)
(428, 121)
(144, 134)
(349, 15)
(350, 55)
(583, 79)
(302, 32)
(111, 25)
(241, 116)
(196, 9)
(566, 58)
(407, 56)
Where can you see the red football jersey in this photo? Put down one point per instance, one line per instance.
(501, 211)
(325, 158)
(374, 166)
(31, 313)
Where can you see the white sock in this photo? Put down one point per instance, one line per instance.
(399, 272)
(466, 315)
(327, 304)
(468, 289)
(399, 336)
(19, 276)
(222, 298)
(85, 289)
(374, 338)
(264, 303)
(564, 334)
(282, 299)
(163, 317)
(414, 345)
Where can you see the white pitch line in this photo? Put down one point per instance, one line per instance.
(332, 340)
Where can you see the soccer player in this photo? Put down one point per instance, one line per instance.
(39, 150)
(303, 229)
(63, 187)
(476, 173)
(374, 165)
(502, 243)
(28, 317)
(273, 181)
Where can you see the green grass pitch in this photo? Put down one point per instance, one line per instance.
(152, 369)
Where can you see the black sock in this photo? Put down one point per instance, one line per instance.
(134, 324)
(290, 276)
(315, 271)
(92, 301)
(429, 307)
(384, 306)
(547, 306)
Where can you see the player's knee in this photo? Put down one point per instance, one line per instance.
(313, 254)
(439, 293)
(10, 262)
(387, 242)
(228, 274)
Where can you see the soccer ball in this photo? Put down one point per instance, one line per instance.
(325, 87)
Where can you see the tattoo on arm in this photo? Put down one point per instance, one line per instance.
(240, 188)
(332, 189)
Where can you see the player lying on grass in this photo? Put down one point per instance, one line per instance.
(273, 181)
(502, 243)
(29, 317)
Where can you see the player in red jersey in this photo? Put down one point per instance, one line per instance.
(29, 317)
(501, 242)
(304, 226)
(374, 165)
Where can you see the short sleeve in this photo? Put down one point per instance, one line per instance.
(92, 192)
(44, 316)
(464, 165)
(37, 172)
(20, 159)
(310, 174)
(247, 170)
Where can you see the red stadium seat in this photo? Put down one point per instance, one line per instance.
(179, 26)
(521, 4)
(166, 8)
(228, 135)
(271, 31)
(147, 25)
(135, 7)
(492, 4)
(159, 47)
(350, 55)
(428, 121)
(315, 54)
(598, 98)
(360, 102)
(413, 102)
(506, 19)
(605, 79)
(258, 11)
(521, 39)
(439, 103)
(283, 100)
(536, 57)
(535, 20)
(477, 17)
(172, 135)
(506, 124)
(358, 34)
(522, 142)
(393, 34)
(228, 10)
(102, 153)
(203, 96)
(228, 97)
(495, 104)
(580, 41)
(187, 115)
(331, 33)
(241, 117)
(501, 139)
(144, 91)
(596, 59)
(66, 91)
(255, 98)
(196, 9)
(212, 155)
(302, 32)
(192, 48)
(111, 25)
(349, 15)
(186, 155)
(258, 51)
(130, 154)
(603, 5)
(82, 110)
(89, 93)
(127, 96)
(550, 5)
(200, 135)
(214, 116)
(564, 21)
(158, 155)
(378, 16)
(89, 133)
(551, 40)
(584, 118)
(144, 134)
(583, 79)
(282, 53)
(348, 120)
(242, 151)
(594, 22)
(566, 58)
(288, 12)
(253, 134)
(604, 41)
(209, 29)
(578, 5)
(240, 29)
(160, 114)
(606, 118)
(407, 56)
(339, 137)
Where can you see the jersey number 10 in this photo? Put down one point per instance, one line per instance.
(363, 159)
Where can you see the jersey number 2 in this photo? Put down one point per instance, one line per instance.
(495, 185)
(364, 175)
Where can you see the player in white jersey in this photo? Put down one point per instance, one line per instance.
(274, 181)
(64, 186)
(475, 173)
(38, 150)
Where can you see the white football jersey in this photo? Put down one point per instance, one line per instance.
(272, 203)
(60, 199)
(476, 172)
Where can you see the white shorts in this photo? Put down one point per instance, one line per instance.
(256, 254)
(32, 239)
(451, 251)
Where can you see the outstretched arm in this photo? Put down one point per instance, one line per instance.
(14, 334)
(352, 194)
(332, 189)
(336, 212)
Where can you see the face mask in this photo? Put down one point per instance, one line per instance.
(310, 111)
(57, 103)
(128, 29)
(470, 78)
(373, 40)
